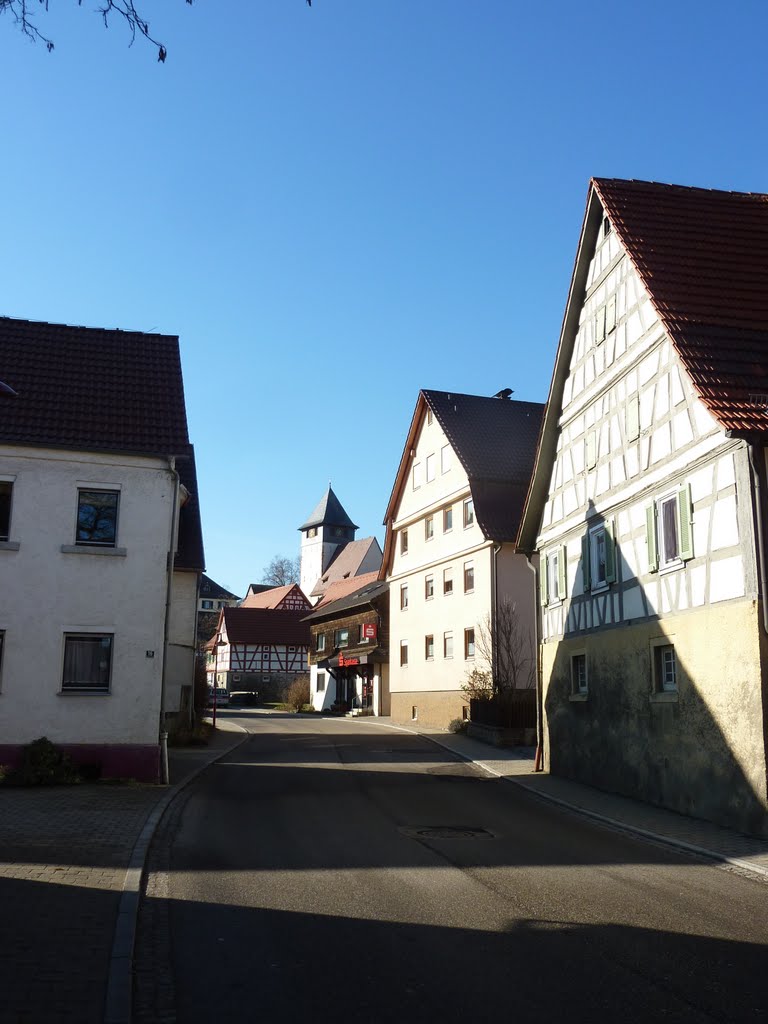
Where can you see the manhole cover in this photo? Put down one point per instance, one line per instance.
(447, 832)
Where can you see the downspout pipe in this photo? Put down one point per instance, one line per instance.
(538, 765)
(164, 776)
(754, 451)
(494, 607)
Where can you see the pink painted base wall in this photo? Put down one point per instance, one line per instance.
(114, 761)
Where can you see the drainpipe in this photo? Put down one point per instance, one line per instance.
(538, 765)
(757, 482)
(494, 606)
(166, 626)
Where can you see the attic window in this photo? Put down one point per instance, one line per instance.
(429, 417)
(606, 227)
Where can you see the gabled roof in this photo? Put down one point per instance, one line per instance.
(361, 597)
(265, 626)
(341, 588)
(88, 389)
(190, 555)
(347, 562)
(273, 597)
(329, 512)
(495, 440)
(702, 256)
(210, 588)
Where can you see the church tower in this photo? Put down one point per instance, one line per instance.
(328, 529)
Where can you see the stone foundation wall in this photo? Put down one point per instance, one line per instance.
(435, 710)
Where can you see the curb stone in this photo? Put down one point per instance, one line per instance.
(118, 1000)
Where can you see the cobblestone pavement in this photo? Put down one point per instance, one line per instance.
(64, 851)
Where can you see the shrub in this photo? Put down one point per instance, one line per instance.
(297, 694)
(43, 764)
(457, 725)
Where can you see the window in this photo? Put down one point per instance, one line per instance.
(469, 643)
(448, 519)
(669, 530)
(403, 596)
(430, 468)
(590, 456)
(429, 417)
(341, 638)
(403, 542)
(579, 673)
(6, 489)
(312, 531)
(665, 669)
(429, 528)
(447, 581)
(429, 588)
(429, 647)
(599, 557)
(469, 512)
(414, 713)
(87, 663)
(338, 531)
(445, 458)
(320, 682)
(418, 475)
(469, 577)
(448, 644)
(207, 605)
(220, 604)
(552, 576)
(600, 325)
(97, 518)
(403, 652)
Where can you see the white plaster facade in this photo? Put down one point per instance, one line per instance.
(51, 587)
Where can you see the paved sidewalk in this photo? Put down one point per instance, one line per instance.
(64, 856)
(691, 834)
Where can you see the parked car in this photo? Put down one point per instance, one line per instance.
(222, 697)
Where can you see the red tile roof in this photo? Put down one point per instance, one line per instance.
(341, 588)
(702, 256)
(273, 597)
(265, 626)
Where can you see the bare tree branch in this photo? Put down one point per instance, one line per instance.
(281, 571)
(504, 655)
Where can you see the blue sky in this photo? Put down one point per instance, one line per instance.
(336, 206)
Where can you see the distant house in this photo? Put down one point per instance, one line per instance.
(349, 653)
(287, 598)
(256, 648)
(648, 503)
(329, 551)
(100, 543)
(449, 553)
(211, 599)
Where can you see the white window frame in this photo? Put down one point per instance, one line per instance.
(430, 468)
(429, 647)
(445, 459)
(679, 499)
(448, 579)
(448, 519)
(404, 542)
(469, 655)
(87, 689)
(448, 644)
(579, 684)
(429, 585)
(469, 569)
(468, 513)
(403, 597)
(320, 645)
(403, 653)
(418, 475)
(86, 543)
(429, 528)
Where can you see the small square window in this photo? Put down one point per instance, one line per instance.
(312, 531)
(403, 652)
(429, 588)
(97, 518)
(469, 577)
(429, 528)
(469, 643)
(429, 647)
(447, 581)
(448, 519)
(207, 605)
(87, 663)
(403, 542)
(6, 491)
(342, 638)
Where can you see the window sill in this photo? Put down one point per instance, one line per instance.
(84, 693)
(82, 549)
(9, 545)
(664, 697)
(578, 698)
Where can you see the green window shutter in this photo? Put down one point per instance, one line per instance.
(610, 552)
(561, 579)
(633, 418)
(684, 515)
(650, 537)
(543, 580)
(585, 555)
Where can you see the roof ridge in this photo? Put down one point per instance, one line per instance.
(675, 187)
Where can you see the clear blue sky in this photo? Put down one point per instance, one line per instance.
(336, 206)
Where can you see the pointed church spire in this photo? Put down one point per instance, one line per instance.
(329, 512)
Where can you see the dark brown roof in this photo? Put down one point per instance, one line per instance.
(189, 551)
(210, 588)
(364, 596)
(702, 256)
(329, 512)
(265, 626)
(89, 389)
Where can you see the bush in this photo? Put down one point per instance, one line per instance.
(457, 725)
(42, 764)
(297, 694)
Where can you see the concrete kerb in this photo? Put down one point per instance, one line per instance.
(603, 819)
(117, 1004)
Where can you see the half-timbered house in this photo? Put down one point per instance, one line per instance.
(647, 506)
(287, 598)
(255, 647)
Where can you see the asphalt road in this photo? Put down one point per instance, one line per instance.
(342, 871)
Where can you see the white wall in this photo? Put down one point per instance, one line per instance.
(45, 593)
